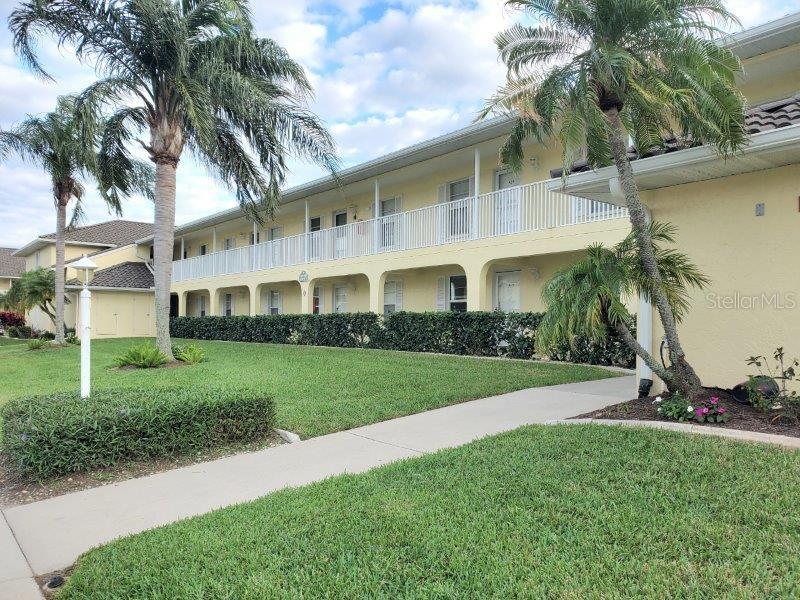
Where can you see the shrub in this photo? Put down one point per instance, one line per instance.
(22, 332)
(142, 356)
(38, 344)
(784, 403)
(46, 335)
(191, 354)
(473, 333)
(61, 433)
(71, 338)
(11, 319)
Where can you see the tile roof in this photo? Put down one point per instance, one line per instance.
(123, 275)
(113, 233)
(758, 119)
(11, 266)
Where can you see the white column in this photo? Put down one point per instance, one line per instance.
(213, 239)
(475, 206)
(255, 246)
(375, 214)
(86, 337)
(183, 248)
(306, 230)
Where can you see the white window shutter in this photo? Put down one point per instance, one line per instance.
(442, 193)
(472, 186)
(321, 299)
(280, 303)
(264, 302)
(441, 294)
(398, 287)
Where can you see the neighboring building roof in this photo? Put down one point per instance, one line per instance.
(108, 234)
(131, 275)
(10, 265)
(759, 118)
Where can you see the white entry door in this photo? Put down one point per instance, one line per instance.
(507, 203)
(507, 291)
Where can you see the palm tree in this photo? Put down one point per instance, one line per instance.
(65, 147)
(35, 288)
(588, 298)
(593, 73)
(194, 74)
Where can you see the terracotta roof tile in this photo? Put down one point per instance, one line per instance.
(758, 119)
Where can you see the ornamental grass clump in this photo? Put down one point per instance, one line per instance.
(143, 356)
(189, 354)
(62, 433)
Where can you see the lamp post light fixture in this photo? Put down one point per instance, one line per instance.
(87, 267)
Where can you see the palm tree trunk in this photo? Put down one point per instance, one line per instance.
(163, 242)
(61, 225)
(685, 379)
(627, 337)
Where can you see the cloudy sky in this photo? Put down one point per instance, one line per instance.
(386, 74)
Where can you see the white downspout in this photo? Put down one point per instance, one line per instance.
(644, 317)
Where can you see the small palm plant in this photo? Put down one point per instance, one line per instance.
(588, 298)
(34, 289)
(593, 73)
(192, 74)
(65, 146)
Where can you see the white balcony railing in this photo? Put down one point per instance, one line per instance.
(514, 210)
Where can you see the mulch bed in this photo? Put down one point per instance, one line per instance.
(742, 416)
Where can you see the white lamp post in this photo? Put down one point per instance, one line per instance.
(87, 266)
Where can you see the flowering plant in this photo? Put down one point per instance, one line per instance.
(711, 411)
(678, 408)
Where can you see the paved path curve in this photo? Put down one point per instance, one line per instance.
(49, 535)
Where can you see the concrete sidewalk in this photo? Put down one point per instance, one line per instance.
(52, 533)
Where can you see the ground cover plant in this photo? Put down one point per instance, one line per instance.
(317, 390)
(600, 512)
(141, 356)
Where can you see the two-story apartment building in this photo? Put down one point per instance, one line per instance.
(442, 226)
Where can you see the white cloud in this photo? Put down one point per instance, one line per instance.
(385, 75)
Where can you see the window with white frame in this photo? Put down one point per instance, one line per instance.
(389, 235)
(38, 259)
(275, 302)
(228, 305)
(316, 307)
(392, 296)
(340, 298)
(458, 215)
(229, 243)
(457, 296)
(201, 306)
(203, 250)
(255, 238)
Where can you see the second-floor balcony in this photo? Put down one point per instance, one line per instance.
(505, 212)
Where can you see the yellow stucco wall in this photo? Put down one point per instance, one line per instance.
(109, 258)
(121, 314)
(5, 284)
(753, 303)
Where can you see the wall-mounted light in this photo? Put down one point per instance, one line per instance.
(535, 273)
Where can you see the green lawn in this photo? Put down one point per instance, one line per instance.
(560, 512)
(317, 390)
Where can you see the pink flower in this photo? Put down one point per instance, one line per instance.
(722, 410)
(705, 410)
(714, 400)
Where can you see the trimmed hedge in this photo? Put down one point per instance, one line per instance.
(471, 333)
(61, 433)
